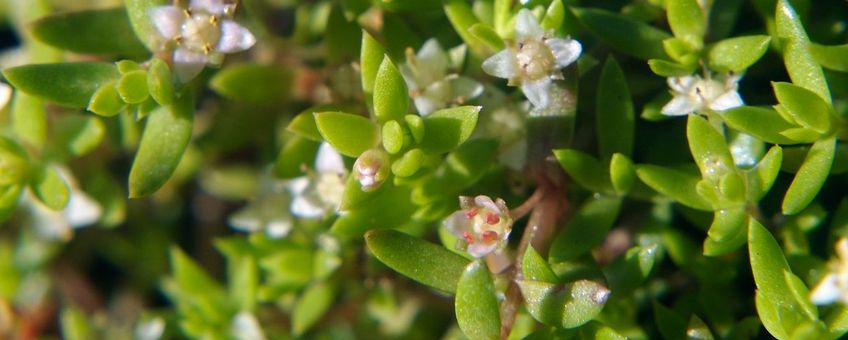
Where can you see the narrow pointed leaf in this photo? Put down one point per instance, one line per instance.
(810, 176)
(804, 106)
(616, 120)
(536, 268)
(584, 169)
(708, 147)
(67, 84)
(737, 54)
(762, 176)
(253, 83)
(476, 305)
(832, 57)
(687, 20)
(314, 302)
(802, 68)
(82, 32)
(448, 128)
(587, 228)
(676, 184)
(625, 34)
(728, 231)
(390, 97)
(349, 134)
(763, 123)
(50, 188)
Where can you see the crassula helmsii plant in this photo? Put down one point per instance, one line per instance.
(481, 169)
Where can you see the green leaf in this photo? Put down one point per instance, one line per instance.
(625, 34)
(83, 32)
(462, 17)
(487, 35)
(14, 164)
(832, 57)
(762, 176)
(676, 184)
(666, 68)
(810, 176)
(296, 153)
(138, 10)
(670, 324)
(133, 87)
(616, 121)
(370, 57)
(165, 137)
(727, 232)
(391, 99)
(628, 272)
(50, 188)
(777, 308)
(461, 168)
(75, 324)
(408, 164)
(554, 16)
(29, 119)
(687, 21)
(698, 330)
(341, 37)
(801, 295)
(392, 134)
(535, 268)
(448, 128)
(160, 82)
(568, 306)
(737, 54)
(314, 302)
(802, 68)
(708, 147)
(804, 106)
(622, 173)
(78, 135)
(763, 123)
(106, 101)
(9, 197)
(422, 261)
(374, 214)
(476, 305)
(586, 229)
(349, 134)
(67, 84)
(584, 169)
(253, 83)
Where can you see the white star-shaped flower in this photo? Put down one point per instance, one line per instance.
(268, 211)
(534, 59)
(834, 286)
(695, 94)
(483, 225)
(201, 34)
(430, 85)
(321, 191)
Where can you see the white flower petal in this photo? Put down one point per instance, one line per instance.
(457, 223)
(465, 88)
(210, 6)
(842, 248)
(566, 51)
(426, 105)
(150, 329)
(486, 202)
(168, 20)
(304, 207)
(408, 77)
(296, 186)
(681, 84)
(81, 210)
(329, 160)
(245, 327)
(726, 101)
(432, 60)
(247, 219)
(537, 91)
(480, 249)
(188, 64)
(234, 38)
(679, 106)
(827, 291)
(5, 95)
(502, 64)
(527, 27)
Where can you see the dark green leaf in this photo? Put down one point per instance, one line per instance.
(675, 184)
(622, 173)
(78, 135)
(832, 57)
(430, 264)
(587, 228)
(296, 153)
(374, 214)
(670, 324)
(584, 169)
(737, 54)
(255, 83)
(448, 128)
(628, 272)
(476, 304)
(83, 32)
(615, 112)
(67, 84)
(625, 34)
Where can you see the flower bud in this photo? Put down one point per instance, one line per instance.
(371, 169)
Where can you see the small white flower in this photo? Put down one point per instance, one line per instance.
(319, 192)
(834, 286)
(80, 211)
(267, 212)
(534, 59)
(430, 86)
(151, 329)
(202, 34)
(482, 224)
(695, 94)
(245, 327)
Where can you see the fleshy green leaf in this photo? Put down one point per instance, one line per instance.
(67, 84)
(832, 57)
(296, 153)
(370, 57)
(687, 21)
(804, 106)
(666, 68)
(487, 35)
(622, 173)
(810, 176)
(14, 166)
(390, 97)
(535, 267)
(83, 32)
(314, 302)
(476, 304)
(160, 82)
(422, 261)
(78, 135)
(802, 68)
(133, 87)
(727, 232)
(763, 123)
(761, 177)
(374, 214)
(554, 16)
(462, 17)
(676, 184)
(586, 229)
(709, 149)
(349, 134)
(165, 137)
(448, 128)
(584, 169)
(737, 54)
(392, 134)
(569, 305)
(254, 83)
(50, 188)
(29, 119)
(625, 34)
(615, 112)
(141, 23)
(106, 101)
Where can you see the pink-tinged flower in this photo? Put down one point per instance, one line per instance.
(200, 34)
(695, 94)
(371, 169)
(483, 225)
(534, 59)
(834, 286)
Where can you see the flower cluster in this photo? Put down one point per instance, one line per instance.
(834, 286)
(482, 224)
(200, 34)
(534, 59)
(694, 93)
(430, 85)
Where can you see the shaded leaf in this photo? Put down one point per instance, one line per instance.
(448, 128)
(314, 302)
(50, 188)
(810, 177)
(83, 32)
(586, 229)
(615, 112)
(763, 123)
(676, 184)
(254, 83)
(584, 169)
(67, 84)
(625, 34)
